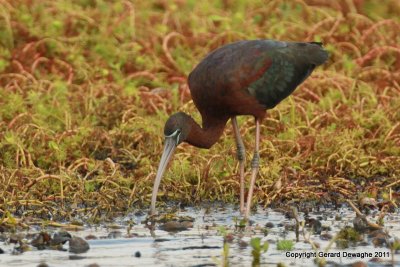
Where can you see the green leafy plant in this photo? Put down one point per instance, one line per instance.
(258, 248)
(284, 245)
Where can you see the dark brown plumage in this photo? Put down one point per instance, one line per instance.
(241, 78)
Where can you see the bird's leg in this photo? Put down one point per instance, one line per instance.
(241, 156)
(254, 169)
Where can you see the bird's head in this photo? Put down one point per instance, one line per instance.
(176, 130)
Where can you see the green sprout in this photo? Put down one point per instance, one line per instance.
(258, 249)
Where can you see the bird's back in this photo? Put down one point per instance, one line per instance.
(245, 77)
(290, 66)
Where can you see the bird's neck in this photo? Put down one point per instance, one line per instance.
(206, 136)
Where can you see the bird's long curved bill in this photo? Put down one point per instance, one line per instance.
(169, 148)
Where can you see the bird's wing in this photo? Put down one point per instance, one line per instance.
(289, 67)
(257, 72)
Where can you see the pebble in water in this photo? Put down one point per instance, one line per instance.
(78, 245)
(269, 225)
(174, 226)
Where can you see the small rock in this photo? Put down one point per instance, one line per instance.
(360, 224)
(93, 265)
(174, 226)
(243, 244)
(42, 264)
(269, 225)
(326, 236)
(376, 233)
(229, 238)
(1, 251)
(76, 257)
(78, 245)
(139, 213)
(316, 225)
(138, 254)
(380, 240)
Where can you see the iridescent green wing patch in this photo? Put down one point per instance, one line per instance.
(275, 84)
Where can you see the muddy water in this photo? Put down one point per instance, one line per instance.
(203, 246)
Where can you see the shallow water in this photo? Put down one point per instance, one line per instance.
(202, 245)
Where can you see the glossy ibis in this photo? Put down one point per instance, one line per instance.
(241, 78)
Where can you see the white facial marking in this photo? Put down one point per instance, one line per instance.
(173, 134)
(177, 138)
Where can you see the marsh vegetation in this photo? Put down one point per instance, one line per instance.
(86, 86)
